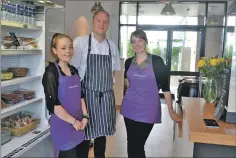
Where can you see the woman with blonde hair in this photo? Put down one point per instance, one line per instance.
(64, 100)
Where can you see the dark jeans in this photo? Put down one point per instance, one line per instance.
(77, 152)
(137, 134)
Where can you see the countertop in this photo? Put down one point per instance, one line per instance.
(194, 111)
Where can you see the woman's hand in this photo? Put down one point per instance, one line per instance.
(175, 117)
(84, 123)
(77, 125)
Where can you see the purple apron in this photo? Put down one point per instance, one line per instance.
(141, 102)
(63, 134)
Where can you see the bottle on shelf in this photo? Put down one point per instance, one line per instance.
(13, 11)
(9, 11)
(21, 11)
(18, 15)
(4, 12)
(25, 13)
(31, 13)
(18, 11)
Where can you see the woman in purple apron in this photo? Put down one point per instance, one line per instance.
(145, 74)
(64, 100)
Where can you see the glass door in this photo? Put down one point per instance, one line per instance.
(185, 48)
(185, 51)
(157, 43)
(179, 48)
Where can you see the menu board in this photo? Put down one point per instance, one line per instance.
(220, 110)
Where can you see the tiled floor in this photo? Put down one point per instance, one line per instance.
(159, 143)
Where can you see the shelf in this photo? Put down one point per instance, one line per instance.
(20, 25)
(19, 80)
(19, 105)
(10, 52)
(19, 145)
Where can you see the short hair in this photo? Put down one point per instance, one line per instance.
(139, 34)
(101, 11)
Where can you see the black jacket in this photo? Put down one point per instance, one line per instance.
(160, 71)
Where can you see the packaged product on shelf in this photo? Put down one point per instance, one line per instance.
(30, 43)
(11, 98)
(5, 75)
(20, 123)
(24, 43)
(3, 104)
(28, 94)
(5, 136)
(19, 71)
(8, 42)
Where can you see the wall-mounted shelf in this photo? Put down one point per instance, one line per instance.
(19, 105)
(10, 52)
(19, 80)
(17, 146)
(20, 25)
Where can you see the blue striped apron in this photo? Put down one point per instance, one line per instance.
(99, 95)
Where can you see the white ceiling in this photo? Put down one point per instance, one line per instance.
(62, 2)
(186, 9)
(155, 8)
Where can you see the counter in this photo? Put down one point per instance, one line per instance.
(192, 138)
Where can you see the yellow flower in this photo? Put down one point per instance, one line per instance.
(213, 62)
(203, 58)
(201, 63)
(220, 60)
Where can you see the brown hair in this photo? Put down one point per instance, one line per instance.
(101, 11)
(54, 40)
(139, 34)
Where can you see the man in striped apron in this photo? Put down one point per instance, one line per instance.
(97, 58)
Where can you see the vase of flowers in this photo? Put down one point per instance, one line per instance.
(212, 69)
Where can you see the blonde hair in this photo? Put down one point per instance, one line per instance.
(54, 40)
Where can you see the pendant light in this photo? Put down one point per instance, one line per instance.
(97, 7)
(211, 20)
(168, 9)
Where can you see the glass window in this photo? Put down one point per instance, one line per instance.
(157, 43)
(230, 37)
(216, 12)
(231, 21)
(214, 41)
(125, 45)
(128, 13)
(186, 14)
(185, 50)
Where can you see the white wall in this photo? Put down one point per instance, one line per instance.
(77, 9)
